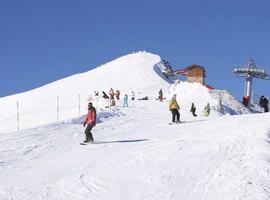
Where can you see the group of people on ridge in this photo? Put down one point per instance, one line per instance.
(116, 94)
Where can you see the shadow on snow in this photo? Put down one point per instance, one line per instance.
(120, 141)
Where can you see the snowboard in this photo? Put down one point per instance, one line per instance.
(86, 143)
(174, 123)
(94, 142)
(82, 143)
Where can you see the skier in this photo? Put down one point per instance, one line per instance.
(160, 95)
(193, 109)
(90, 121)
(264, 103)
(126, 101)
(206, 110)
(174, 108)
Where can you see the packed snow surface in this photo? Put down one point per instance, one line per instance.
(136, 154)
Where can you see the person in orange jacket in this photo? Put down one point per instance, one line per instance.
(90, 120)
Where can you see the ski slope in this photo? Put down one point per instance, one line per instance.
(133, 72)
(137, 155)
(65, 99)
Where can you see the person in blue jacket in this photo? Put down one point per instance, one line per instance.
(126, 100)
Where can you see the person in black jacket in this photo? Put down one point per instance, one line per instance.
(160, 95)
(193, 109)
(264, 103)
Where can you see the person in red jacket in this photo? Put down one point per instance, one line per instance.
(90, 120)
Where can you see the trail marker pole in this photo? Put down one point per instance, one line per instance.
(97, 103)
(79, 104)
(18, 117)
(57, 108)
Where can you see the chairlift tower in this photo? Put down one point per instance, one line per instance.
(250, 71)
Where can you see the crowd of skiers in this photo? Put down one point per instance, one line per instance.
(90, 119)
(116, 95)
(174, 108)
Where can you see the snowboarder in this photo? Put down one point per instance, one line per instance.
(90, 121)
(160, 95)
(126, 101)
(264, 103)
(193, 109)
(174, 108)
(206, 111)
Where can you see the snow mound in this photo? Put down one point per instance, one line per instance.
(230, 105)
(221, 102)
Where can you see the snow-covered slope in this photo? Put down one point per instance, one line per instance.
(139, 156)
(67, 98)
(230, 105)
(136, 71)
(221, 102)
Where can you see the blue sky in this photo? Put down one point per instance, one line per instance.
(44, 40)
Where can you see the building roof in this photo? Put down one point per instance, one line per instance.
(195, 66)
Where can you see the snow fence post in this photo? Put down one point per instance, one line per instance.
(18, 117)
(109, 105)
(57, 108)
(133, 106)
(219, 108)
(97, 104)
(79, 104)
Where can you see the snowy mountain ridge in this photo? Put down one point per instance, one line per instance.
(63, 99)
(137, 154)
